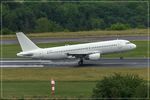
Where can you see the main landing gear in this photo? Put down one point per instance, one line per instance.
(121, 58)
(80, 61)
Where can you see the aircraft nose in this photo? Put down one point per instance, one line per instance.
(133, 46)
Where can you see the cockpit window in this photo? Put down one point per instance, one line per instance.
(127, 42)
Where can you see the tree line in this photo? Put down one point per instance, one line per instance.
(72, 16)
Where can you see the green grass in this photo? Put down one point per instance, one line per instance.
(70, 82)
(82, 34)
(67, 74)
(10, 51)
(33, 89)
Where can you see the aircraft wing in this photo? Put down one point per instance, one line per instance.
(82, 54)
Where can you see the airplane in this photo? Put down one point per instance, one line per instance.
(85, 51)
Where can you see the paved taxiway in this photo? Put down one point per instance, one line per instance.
(100, 63)
(86, 39)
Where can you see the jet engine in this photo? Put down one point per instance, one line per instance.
(95, 56)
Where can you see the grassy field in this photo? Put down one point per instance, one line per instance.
(33, 89)
(70, 82)
(67, 74)
(82, 34)
(10, 51)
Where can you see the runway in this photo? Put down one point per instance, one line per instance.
(86, 39)
(128, 62)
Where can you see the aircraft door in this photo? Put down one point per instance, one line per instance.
(119, 44)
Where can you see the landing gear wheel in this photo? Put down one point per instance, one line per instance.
(80, 62)
(121, 58)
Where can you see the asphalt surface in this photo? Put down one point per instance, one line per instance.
(132, 63)
(86, 39)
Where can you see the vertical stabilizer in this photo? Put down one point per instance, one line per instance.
(25, 43)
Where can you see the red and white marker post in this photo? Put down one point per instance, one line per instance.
(52, 87)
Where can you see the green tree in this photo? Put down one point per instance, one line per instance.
(6, 31)
(76, 16)
(141, 91)
(119, 26)
(45, 25)
(120, 86)
(97, 23)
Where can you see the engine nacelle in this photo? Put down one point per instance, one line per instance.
(95, 56)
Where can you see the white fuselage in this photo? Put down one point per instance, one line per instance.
(62, 52)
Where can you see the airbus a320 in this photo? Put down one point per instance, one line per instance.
(86, 51)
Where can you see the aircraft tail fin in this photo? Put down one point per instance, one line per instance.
(25, 43)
